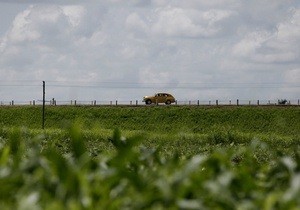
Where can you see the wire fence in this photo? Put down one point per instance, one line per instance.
(217, 102)
(21, 85)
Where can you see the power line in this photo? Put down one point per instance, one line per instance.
(122, 82)
(140, 85)
(170, 83)
(22, 85)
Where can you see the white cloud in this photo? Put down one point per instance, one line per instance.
(75, 13)
(188, 22)
(38, 23)
(95, 40)
(214, 16)
(276, 46)
(21, 28)
(251, 43)
(135, 23)
(289, 30)
(197, 4)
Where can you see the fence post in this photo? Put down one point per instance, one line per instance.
(257, 102)
(237, 102)
(217, 102)
(136, 102)
(298, 102)
(229, 102)
(33, 102)
(12, 102)
(198, 102)
(116, 102)
(44, 95)
(75, 102)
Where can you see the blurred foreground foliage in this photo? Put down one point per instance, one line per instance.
(132, 175)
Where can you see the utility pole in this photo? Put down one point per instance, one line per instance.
(43, 126)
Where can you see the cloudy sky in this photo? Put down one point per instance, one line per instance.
(123, 50)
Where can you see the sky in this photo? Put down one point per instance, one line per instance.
(123, 50)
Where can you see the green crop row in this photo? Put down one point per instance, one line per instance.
(180, 143)
(36, 174)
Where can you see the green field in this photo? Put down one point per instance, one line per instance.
(150, 157)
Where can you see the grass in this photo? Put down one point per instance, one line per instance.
(282, 121)
(185, 130)
(165, 119)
